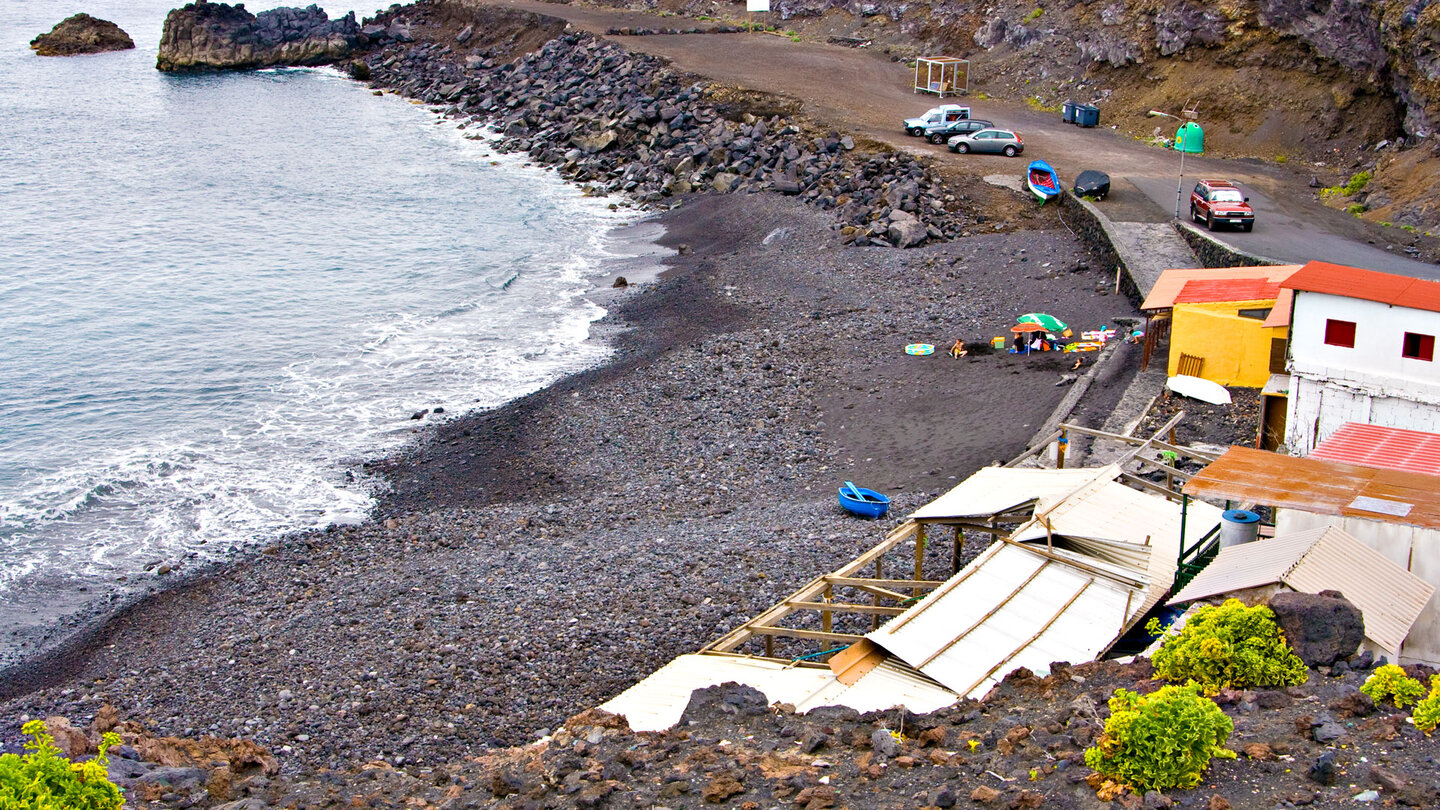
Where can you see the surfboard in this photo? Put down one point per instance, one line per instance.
(1197, 388)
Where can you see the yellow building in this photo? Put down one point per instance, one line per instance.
(1217, 323)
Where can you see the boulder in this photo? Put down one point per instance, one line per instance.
(82, 34)
(1322, 628)
(216, 36)
(905, 230)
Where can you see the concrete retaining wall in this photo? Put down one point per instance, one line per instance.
(1095, 229)
(1213, 253)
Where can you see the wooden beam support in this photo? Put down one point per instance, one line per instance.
(817, 635)
(849, 607)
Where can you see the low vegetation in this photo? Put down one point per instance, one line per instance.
(1391, 683)
(1158, 741)
(44, 780)
(1229, 645)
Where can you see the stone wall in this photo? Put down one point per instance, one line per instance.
(1086, 222)
(1213, 253)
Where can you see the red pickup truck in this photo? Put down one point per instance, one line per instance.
(1220, 202)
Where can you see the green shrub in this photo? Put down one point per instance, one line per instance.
(1281, 158)
(1408, 228)
(1391, 683)
(1229, 645)
(1033, 15)
(44, 780)
(1355, 208)
(1161, 740)
(1356, 182)
(1427, 712)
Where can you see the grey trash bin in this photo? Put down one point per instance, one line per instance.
(1087, 115)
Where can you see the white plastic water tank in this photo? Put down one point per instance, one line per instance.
(1238, 526)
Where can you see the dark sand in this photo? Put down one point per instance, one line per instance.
(534, 560)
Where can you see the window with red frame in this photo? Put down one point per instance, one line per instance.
(1340, 333)
(1418, 347)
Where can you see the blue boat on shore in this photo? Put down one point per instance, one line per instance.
(1043, 181)
(863, 502)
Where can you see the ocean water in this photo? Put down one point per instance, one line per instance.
(219, 293)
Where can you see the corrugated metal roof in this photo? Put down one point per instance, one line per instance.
(1385, 447)
(1214, 290)
(1171, 282)
(1367, 285)
(1249, 565)
(1126, 527)
(1025, 610)
(992, 490)
(1324, 487)
(658, 701)
(1390, 597)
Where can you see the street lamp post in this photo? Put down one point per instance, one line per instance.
(1188, 138)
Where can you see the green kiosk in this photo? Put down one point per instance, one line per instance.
(1189, 138)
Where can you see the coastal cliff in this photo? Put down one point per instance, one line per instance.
(82, 34)
(216, 36)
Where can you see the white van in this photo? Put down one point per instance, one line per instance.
(936, 117)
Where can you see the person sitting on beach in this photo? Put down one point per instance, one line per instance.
(958, 350)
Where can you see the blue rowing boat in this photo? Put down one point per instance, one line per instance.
(863, 502)
(1043, 181)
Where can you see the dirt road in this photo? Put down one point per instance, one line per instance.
(862, 92)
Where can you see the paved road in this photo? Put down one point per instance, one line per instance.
(861, 91)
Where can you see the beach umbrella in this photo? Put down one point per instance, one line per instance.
(1021, 328)
(1050, 322)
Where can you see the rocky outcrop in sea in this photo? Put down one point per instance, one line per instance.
(623, 123)
(82, 34)
(217, 36)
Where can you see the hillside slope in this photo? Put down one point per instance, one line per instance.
(1350, 87)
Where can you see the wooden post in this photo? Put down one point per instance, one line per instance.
(1118, 269)
(769, 646)
(919, 554)
(875, 597)
(825, 615)
(959, 547)
(1060, 445)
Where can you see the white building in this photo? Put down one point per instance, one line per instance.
(1362, 349)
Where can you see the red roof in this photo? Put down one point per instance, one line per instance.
(1215, 290)
(1368, 285)
(1383, 447)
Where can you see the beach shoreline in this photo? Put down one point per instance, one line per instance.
(533, 560)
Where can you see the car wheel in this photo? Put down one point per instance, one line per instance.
(962, 148)
(1011, 151)
(937, 139)
(1210, 221)
(913, 131)
(1194, 215)
(1247, 227)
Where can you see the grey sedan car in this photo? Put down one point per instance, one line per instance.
(990, 141)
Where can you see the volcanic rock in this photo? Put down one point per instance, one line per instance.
(82, 34)
(204, 35)
(1320, 628)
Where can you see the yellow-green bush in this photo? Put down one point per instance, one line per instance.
(44, 780)
(1391, 683)
(1427, 712)
(1229, 645)
(1162, 740)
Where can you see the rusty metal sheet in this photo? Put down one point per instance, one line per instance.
(1244, 474)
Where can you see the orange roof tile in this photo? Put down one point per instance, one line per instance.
(1384, 447)
(1171, 282)
(1280, 313)
(1211, 291)
(1367, 285)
